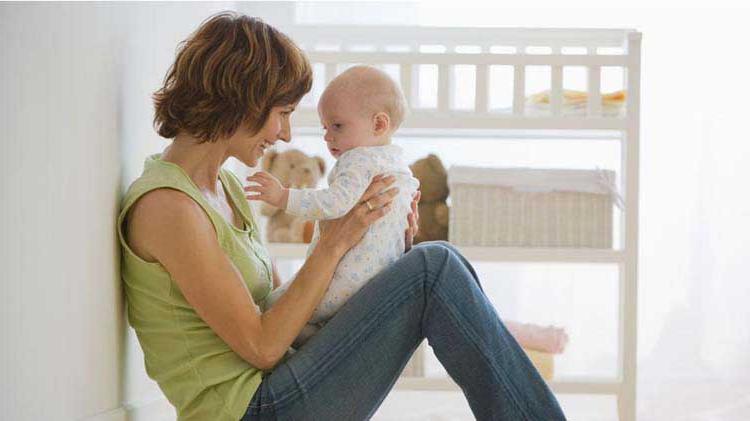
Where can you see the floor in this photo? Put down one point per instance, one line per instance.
(679, 401)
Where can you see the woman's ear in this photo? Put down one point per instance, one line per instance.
(382, 123)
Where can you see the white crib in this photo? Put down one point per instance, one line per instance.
(492, 58)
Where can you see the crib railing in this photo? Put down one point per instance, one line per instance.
(435, 63)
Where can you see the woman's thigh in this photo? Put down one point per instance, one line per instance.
(346, 370)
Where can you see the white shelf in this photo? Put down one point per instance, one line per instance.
(332, 48)
(491, 254)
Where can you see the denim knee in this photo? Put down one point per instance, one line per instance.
(434, 256)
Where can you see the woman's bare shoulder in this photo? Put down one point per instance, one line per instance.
(158, 218)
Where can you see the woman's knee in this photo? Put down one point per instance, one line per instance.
(440, 256)
(439, 243)
(436, 256)
(432, 252)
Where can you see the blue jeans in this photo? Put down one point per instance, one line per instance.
(346, 370)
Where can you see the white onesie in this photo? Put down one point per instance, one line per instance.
(384, 241)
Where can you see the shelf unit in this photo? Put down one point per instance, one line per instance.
(333, 48)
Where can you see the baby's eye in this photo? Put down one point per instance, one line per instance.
(337, 126)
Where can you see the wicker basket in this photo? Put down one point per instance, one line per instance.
(522, 207)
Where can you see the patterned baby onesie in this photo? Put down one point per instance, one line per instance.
(384, 241)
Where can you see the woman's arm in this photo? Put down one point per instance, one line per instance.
(169, 227)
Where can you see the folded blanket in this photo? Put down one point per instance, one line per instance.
(544, 363)
(550, 339)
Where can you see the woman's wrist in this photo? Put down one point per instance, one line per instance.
(332, 247)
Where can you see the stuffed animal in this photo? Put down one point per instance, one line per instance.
(294, 169)
(433, 209)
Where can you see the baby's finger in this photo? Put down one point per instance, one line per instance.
(258, 189)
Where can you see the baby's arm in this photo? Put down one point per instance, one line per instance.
(346, 187)
(268, 189)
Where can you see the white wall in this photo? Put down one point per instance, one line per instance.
(75, 125)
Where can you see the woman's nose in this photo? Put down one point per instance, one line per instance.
(285, 134)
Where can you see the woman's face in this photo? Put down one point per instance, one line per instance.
(248, 148)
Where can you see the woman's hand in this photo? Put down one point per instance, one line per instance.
(339, 235)
(413, 218)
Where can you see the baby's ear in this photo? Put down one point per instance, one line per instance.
(382, 123)
(321, 164)
(268, 160)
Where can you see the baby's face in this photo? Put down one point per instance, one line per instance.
(345, 125)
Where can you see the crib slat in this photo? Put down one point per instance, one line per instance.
(481, 101)
(406, 71)
(519, 89)
(330, 72)
(444, 86)
(556, 90)
(594, 88)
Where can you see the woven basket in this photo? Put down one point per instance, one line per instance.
(522, 207)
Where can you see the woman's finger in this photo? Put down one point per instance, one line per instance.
(376, 187)
(383, 198)
(376, 214)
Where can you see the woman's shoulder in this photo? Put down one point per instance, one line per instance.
(161, 216)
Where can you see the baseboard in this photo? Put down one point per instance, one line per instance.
(118, 414)
(156, 410)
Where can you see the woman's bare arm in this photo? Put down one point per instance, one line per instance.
(169, 227)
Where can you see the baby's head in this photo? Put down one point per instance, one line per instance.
(362, 106)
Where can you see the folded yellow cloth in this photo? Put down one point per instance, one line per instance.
(543, 361)
(571, 97)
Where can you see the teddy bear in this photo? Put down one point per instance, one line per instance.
(433, 209)
(297, 170)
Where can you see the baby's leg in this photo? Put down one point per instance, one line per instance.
(337, 294)
(308, 330)
(274, 296)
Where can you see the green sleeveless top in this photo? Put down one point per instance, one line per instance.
(197, 371)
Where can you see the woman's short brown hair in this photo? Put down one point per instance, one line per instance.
(233, 69)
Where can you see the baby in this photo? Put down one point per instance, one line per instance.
(359, 110)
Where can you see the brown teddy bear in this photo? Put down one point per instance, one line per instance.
(433, 209)
(296, 170)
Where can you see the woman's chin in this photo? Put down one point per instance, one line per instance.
(251, 160)
(254, 157)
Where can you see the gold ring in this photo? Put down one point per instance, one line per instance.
(369, 206)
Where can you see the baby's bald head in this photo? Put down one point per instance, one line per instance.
(370, 91)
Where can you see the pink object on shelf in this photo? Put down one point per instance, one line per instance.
(550, 339)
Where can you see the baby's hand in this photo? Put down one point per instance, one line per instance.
(269, 190)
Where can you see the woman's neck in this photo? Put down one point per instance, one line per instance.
(200, 161)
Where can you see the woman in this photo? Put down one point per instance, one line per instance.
(196, 273)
